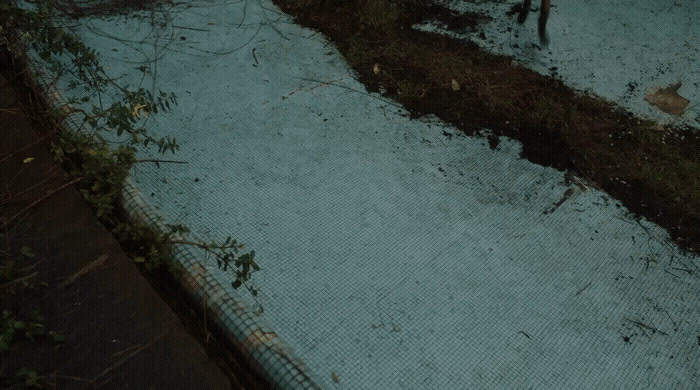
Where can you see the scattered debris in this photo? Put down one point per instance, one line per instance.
(645, 326)
(567, 194)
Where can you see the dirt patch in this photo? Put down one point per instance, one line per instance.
(652, 170)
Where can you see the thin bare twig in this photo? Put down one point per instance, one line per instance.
(163, 161)
(36, 202)
(136, 348)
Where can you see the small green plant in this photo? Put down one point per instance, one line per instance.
(13, 328)
(24, 378)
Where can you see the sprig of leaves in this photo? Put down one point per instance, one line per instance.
(85, 153)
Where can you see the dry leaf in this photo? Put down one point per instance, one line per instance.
(376, 69)
(455, 85)
(87, 268)
(667, 99)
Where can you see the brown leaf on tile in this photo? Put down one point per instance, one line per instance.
(667, 99)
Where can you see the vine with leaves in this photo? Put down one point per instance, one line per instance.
(98, 168)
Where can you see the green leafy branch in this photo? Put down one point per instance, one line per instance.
(225, 254)
(154, 249)
(85, 153)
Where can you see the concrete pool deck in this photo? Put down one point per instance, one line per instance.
(397, 253)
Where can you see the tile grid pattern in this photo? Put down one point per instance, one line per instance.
(270, 356)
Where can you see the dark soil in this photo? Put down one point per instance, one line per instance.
(652, 171)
